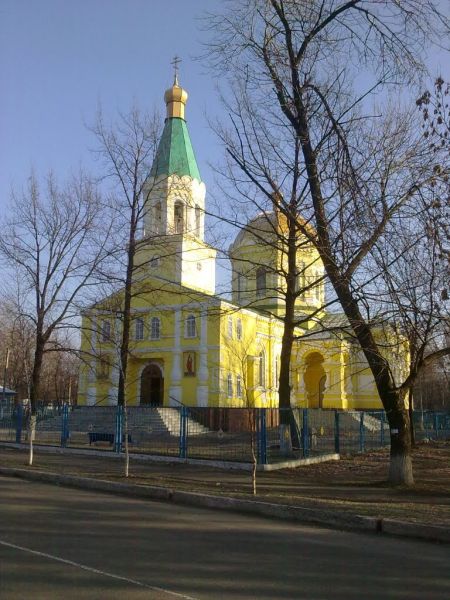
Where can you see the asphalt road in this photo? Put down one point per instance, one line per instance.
(58, 543)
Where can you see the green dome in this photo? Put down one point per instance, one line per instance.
(175, 155)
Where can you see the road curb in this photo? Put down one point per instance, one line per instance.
(313, 516)
(230, 465)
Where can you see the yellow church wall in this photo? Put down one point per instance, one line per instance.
(348, 385)
(174, 282)
(257, 246)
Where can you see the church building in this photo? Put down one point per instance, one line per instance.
(189, 346)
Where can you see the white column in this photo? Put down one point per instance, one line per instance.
(113, 390)
(91, 396)
(203, 374)
(175, 390)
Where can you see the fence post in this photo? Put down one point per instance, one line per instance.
(361, 432)
(305, 433)
(382, 429)
(64, 425)
(19, 417)
(337, 436)
(118, 432)
(436, 424)
(183, 432)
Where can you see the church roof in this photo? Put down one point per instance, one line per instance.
(175, 155)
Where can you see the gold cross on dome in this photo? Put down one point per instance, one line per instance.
(175, 62)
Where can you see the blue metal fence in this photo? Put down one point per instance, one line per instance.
(213, 433)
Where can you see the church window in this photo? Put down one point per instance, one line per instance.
(261, 282)
(230, 327)
(239, 286)
(229, 385)
(199, 266)
(155, 328)
(191, 326)
(317, 289)
(197, 219)
(238, 386)
(239, 329)
(106, 331)
(300, 278)
(178, 217)
(154, 262)
(158, 218)
(309, 283)
(139, 329)
(262, 369)
(102, 368)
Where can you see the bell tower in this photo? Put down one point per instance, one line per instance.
(174, 218)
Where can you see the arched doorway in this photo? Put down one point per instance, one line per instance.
(152, 386)
(315, 378)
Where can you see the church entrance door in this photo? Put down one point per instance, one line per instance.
(152, 386)
(315, 379)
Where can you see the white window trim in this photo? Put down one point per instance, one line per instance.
(187, 333)
(139, 326)
(106, 331)
(230, 327)
(153, 320)
(229, 385)
(238, 386)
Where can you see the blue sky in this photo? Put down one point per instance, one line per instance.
(60, 58)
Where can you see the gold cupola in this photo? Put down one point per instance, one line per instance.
(175, 99)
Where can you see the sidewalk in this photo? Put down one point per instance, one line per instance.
(347, 494)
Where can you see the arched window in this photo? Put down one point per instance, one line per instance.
(229, 385)
(178, 217)
(230, 327)
(300, 278)
(155, 328)
(158, 218)
(239, 329)
(102, 368)
(309, 283)
(154, 261)
(318, 285)
(106, 331)
(139, 329)
(197, 219)
(191, 327)
(262, 369)
(239, 286)
(238, 386)
(261, 283)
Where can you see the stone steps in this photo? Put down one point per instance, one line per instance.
(145, 419)
(351, 419)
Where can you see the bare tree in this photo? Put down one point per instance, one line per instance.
(16, 348)
(299, 67)
(127, 149)
(54, 242)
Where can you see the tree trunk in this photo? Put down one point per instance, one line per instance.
(284, 385)
(400, 472)
(125, 341)
(411, 417)
(34, 394)
(400, 467)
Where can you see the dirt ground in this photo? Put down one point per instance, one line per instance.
(354, 484)
(431, 464)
